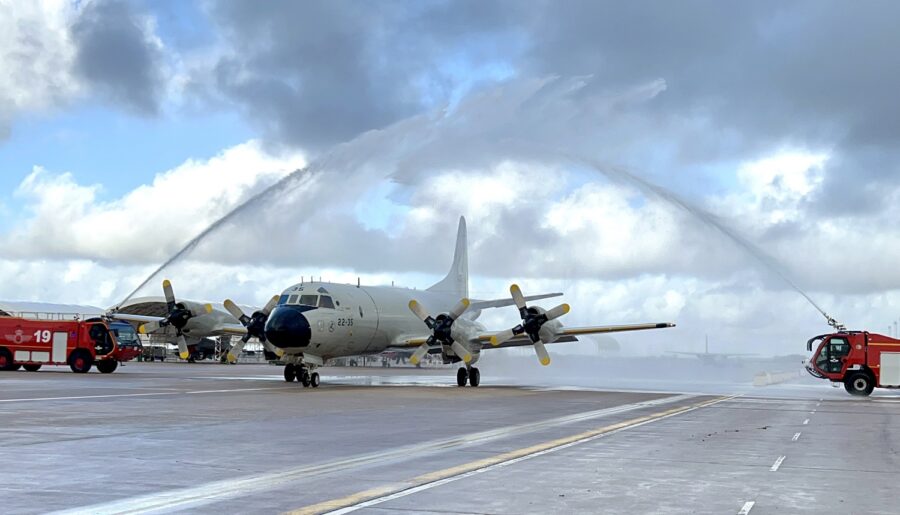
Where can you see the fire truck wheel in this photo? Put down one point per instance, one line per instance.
(32, 368)
(107, 366)
(859, 383)
(16, 366)
(6, 360)
(80, 361)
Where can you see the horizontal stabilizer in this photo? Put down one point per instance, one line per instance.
(499, 303)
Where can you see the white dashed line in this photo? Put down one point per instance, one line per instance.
(806, 422)
(777, 464)
(747, 507)
(796, 437)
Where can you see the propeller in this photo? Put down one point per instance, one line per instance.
(533, 319)
(255, 324)
(177, 315)
(440, 331)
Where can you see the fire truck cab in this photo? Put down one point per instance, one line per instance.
(861, 360)
(29, 344)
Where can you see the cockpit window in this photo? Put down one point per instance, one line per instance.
(309, 300)
(292, 299)
(283, 300)
(325, 302)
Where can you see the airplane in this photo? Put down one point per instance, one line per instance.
(312, 322)
(712, 357)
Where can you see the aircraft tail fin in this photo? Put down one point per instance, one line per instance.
(457, 280)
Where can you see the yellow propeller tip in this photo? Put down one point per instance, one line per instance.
(545, 361)
(465, 302)
(412, 303)
(414, 360)
(184, 355)
(467, 358)
(279, 353)
(231, 358)
(566, 308)
(141, 329)
(514, 286)
(494, 341)
(209, 308)
(166, 283)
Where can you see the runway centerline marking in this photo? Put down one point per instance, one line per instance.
(777, 464)
(746, 508)
(430, 480)
(796, 437)
(148, 394)
(215, 491)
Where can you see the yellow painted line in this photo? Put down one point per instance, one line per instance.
(473, 466)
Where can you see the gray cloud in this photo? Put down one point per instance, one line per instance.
(116, 56)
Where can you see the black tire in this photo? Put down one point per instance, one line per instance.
(462, 377)
(16, 366)
(80, 361)
(32, 367)
(107, 366)
(304, 378)
(859, 383)
(289, 373)
(474, 377)
(314, 380)
(6, 360)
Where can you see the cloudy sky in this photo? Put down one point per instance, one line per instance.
(653, 160)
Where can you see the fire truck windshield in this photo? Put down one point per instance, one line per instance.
(125, 334)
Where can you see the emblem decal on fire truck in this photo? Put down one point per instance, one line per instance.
(18, 337)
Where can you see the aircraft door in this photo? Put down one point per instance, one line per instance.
(357, 320)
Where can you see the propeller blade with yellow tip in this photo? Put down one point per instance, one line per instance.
(169, 294)
(461, 352)
(517, 296)
(419, 354)
(235, 352)
(557, 312)
(542, 353)
(183, 348)
(459, 308)
(149, 327)
(502, 337)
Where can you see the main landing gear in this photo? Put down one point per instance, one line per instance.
(469, 375)
(302, 375)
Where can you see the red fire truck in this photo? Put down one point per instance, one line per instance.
(859, 359)
(28, 344)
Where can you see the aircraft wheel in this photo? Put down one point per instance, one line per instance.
(32, 367)
(462, 377)
(474, 377)
(304, 378)
(289, 373)
(314, 380)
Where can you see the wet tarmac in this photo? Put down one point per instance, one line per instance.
(160, 438)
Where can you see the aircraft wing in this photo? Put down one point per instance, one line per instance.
(566, 334)
(499, 303)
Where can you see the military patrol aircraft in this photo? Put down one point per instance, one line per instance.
(312, 322)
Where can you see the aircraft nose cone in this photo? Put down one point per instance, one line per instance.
(287, 328)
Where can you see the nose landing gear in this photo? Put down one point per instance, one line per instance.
(469, 375)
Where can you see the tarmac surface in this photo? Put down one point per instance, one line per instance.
(206, 438)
